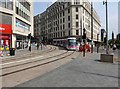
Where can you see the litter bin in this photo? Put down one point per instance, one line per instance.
(12, 51)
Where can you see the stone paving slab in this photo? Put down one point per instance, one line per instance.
(21, 52)
(81, 72)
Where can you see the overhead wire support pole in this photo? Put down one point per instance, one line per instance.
(91, 27)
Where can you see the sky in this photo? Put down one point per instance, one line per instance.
(40, 6)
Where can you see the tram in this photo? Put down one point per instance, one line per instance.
(68, 43)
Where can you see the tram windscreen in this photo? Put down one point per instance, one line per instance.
(71, 42)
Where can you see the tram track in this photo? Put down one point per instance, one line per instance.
(44, 61)
(51, 49)
(34, 61)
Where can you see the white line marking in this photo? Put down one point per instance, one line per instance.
(20, 61)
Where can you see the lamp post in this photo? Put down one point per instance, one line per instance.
(91, 27)
(84, 40)
(97, 43)
(105, 3)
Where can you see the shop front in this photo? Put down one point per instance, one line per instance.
(5, 35)
(21, 42)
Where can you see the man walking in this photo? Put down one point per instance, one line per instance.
(29, 45)
(37, 46)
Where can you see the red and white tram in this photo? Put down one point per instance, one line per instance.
(68, 43)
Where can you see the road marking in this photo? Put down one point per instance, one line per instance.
(20, 61)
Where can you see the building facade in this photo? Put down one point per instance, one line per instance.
(16, 22)
(67, 19)
(37, 26)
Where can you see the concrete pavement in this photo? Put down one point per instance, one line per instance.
(81, 72)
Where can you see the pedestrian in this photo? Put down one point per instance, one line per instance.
(80, 48)
(114, 47)
(37, 46)
(88, 47)
(29, 46)
(1, 51)
(41, 45)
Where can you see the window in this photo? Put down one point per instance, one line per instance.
(60, 8)
(68, 18)
(3, 3)
(77, 32)
(76, 9)
(69, 33)
(63, 13)
(63, 33)
(63, 20)
(68, 10)
(77, 24)
(63, 26)
(58, 34)
(22, 8)
(69, 3)
(63, 6)
(60, 20)
(68, 25)
(6, 4)
(16, 10)
(77, 16)
(10, 4)
(60, 14)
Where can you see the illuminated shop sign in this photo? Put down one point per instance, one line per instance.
(5, 28)
(22, 25)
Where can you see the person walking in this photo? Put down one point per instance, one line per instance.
(41, 45)
(29, 45)
(114, 47)
(80, 48)
(88, 47)
(37, 46)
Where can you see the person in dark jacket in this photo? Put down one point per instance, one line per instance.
(37, 46)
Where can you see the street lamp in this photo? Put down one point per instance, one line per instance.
(105, 3)
(91, 27)
(84, 40)
(97, 43)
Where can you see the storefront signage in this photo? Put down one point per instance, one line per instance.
(22, 25)
(5, 29)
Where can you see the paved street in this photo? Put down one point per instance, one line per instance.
(81, 72)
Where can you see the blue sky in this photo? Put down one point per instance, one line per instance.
(39, 7)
